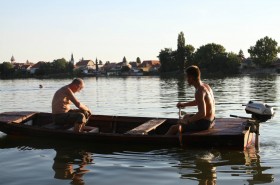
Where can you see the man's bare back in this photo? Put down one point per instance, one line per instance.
(206, 92)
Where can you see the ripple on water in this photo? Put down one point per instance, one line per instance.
(151, 96)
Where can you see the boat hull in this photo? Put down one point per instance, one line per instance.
(227, 132)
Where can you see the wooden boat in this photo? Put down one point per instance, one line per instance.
(227, 132)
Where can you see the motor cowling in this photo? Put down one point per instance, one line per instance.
(260, 111)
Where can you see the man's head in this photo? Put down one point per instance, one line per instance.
(77, 84)
(193, 74)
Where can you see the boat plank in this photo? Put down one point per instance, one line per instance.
(223, 126)
(146, 127)
(15, 117)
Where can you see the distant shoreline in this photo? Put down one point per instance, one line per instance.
(257, 72)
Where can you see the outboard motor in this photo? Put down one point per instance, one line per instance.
(260, 112)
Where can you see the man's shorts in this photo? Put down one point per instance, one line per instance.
(199, 125)
(71, 117)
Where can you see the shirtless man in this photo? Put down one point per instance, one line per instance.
(205, 102)
(62, 113)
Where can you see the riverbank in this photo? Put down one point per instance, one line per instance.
(260, 71)
(251, 72)
(73, 75)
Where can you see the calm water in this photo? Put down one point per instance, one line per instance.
(47, 162)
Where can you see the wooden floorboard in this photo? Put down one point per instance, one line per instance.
(223, 126)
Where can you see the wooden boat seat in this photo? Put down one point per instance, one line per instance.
(146, 127)
(16, 117)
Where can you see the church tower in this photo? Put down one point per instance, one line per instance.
(13, 59)
(72, 59)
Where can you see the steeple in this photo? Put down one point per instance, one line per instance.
(12, 59)
(72, 59)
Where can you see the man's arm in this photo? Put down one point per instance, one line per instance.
(186, 104)
(83, 107)
(76, 102)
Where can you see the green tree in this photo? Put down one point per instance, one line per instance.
(6, 69)
(233, 63)
(205, 55)
(214, 59)
(167, 60)
(45, 68)
(59, 66)
(264, 53)
(70, 67)
(227, 63)
(138, 61)
(181, 52)
(241, 55)
(189, 49)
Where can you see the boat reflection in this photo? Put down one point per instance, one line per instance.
(253, 164)
(69, 164)
(209, 167)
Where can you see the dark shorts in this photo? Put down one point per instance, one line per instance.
(71, 117)
(202, 124)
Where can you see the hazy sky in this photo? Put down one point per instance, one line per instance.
(44, 30)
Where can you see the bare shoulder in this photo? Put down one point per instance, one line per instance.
(203, 88)
(200, 91)
(66, 90)
(207, 87)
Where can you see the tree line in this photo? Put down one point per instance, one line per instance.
(214, 58)
(58, 66)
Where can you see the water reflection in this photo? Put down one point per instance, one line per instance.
(254, 168)
(181, 87)
(208, 167)
(201, 168)
(69, 164)
(208, 173)
(175, 86)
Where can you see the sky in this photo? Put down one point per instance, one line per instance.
(109, 30)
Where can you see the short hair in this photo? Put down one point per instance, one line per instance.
(77, 81)
(193, 71)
